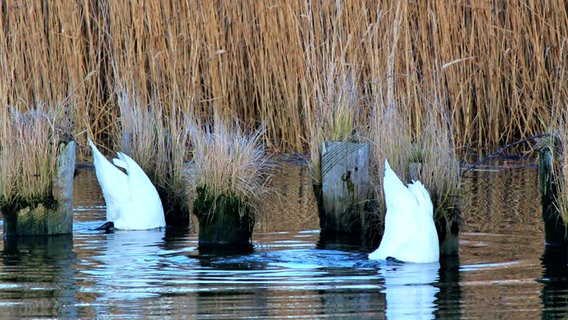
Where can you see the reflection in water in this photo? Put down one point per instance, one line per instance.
(449, 297)
(293, 283)
(555, 280)
(124, 263)
(36, 277)
(410, 290)
(292, 272)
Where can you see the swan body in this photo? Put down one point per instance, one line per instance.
(131, 199)
(410, 234)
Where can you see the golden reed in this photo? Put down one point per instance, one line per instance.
(497, 66)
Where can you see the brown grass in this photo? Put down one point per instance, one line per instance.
(28, 152)
(160, 146)
(495, 64)
(558, 127)
(228, 163)
(488, 73)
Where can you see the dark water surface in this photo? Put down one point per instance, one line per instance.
(502, 272)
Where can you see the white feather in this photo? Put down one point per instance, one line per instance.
(410, 234)
(131, 199)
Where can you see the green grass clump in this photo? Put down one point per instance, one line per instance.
(228, 164)
(29, 146)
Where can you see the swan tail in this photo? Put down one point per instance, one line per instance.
(120, 163)
(109, 176)
(422, 197)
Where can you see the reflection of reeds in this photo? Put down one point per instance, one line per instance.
(29, 144)
(228, 164)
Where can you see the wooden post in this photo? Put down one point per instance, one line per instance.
(225, 223)
(554, 227)
(345, 185)
(52, 217)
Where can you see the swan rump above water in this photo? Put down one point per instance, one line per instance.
(410, 234)
(131, 199)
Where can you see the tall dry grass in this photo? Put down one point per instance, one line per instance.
(28, 153)
(497, 68)
(496, 61)
(558, 127)
(160, 146)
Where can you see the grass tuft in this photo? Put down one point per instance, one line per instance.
(29, 146)
(229, 164)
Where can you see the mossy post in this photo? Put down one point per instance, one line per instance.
(225, 222)
(344, 188)
(447, 225)
(51, 216)
(554, 226)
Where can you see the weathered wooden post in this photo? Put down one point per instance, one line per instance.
(554, 226)
(344, 188)
(52, 216)
(225, 222)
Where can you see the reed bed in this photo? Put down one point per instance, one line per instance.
(458, 77)
(558, 127)
(28, 154)
(496, 62)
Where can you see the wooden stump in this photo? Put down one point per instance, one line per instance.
(224, 222)
(344, 189)
(53, 216)
(554, 227)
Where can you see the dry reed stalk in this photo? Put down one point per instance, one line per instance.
(334, 76)
(227, 163)
(558, 126)
(160, 147)
(43, 54)
(498, 60)
(390, 129)
(29, 144)
(440, 172)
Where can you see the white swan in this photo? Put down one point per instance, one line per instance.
(410, 234)
(131, 199)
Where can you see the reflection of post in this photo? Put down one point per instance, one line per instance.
(47, 264)
(553, 295)
(46, 218)
(345, 184)
(554, 228)
(409, 290)
(449, 294)
(222, 293)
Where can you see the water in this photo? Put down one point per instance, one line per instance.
(502, 271)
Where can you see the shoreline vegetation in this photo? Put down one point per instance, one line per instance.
(425, 82)
(499, 67)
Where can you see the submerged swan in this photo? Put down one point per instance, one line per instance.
(131, 199)
(410, 234)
